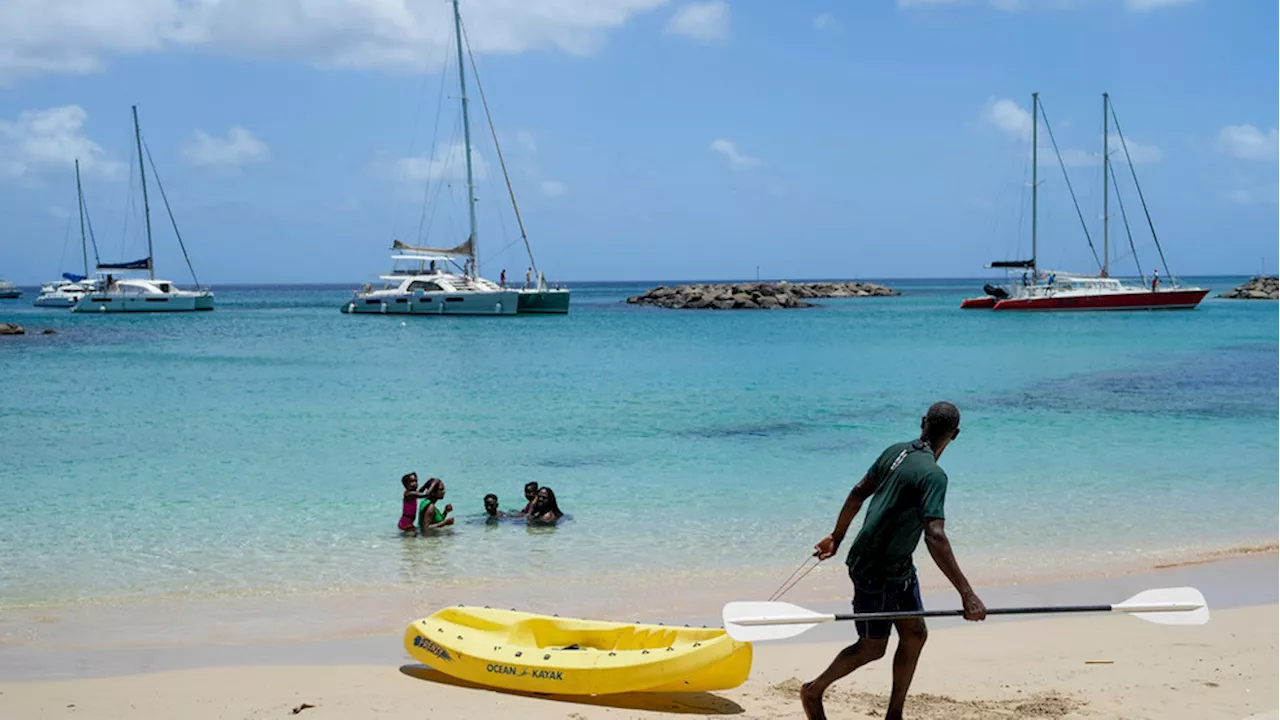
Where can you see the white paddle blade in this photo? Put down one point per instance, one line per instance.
(758, 621)
(1167, 606)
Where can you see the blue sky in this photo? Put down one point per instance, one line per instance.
(646, 139)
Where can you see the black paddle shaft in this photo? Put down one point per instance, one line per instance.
(959, 613)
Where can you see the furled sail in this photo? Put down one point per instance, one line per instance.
(463, 249)
(143, 264)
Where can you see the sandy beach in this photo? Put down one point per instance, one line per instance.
(1096, 667)
(1047, 667)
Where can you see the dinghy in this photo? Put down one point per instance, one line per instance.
(564, 656)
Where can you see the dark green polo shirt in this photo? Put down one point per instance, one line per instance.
(910, 488)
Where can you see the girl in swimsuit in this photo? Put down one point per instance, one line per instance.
(530, 494)
(431, 517)
(545, 510)
(409, 508)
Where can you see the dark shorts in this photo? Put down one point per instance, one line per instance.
(871, 595)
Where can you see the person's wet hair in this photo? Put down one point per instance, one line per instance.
(491, 496)
(941, 422)
(531, 486)
(404, 480)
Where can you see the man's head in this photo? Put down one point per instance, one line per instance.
(530, 491)
(940, 425)
(491, 505)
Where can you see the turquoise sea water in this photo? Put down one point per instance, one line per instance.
(259, 447)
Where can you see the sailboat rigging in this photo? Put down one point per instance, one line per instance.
(1040, 289)
(448, 281)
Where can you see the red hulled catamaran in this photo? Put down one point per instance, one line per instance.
(1039, 289)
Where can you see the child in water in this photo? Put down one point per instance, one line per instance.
(491, 511)
(431, 517)
(409, 508)
(545, 510)
(531, 495)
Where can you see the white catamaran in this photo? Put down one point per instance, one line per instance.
(144, 294)
(447, 281)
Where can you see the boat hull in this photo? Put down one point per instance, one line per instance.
(1158, 300)
(525, 652)
(505, 302)
(985, 302)
(120, 303)
(56, 300)
(543, 302)
(10, 294)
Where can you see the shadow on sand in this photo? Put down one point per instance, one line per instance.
(695, 703)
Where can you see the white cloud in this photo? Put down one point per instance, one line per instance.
(448, 162)
(237, 149)
(1253, 196)
(1018, 5)
(1141, 5)
(737, 161)
(1249, 143)
(552, 188)
(1009, 117)
(827, 22)
(705, 21)
(79, 36)
(41, 142)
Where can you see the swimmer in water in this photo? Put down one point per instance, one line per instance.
(531, 495)
(491, 511)
(409, 508)
(545, 510)
(431, 517)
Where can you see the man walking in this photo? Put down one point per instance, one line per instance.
(907, 489)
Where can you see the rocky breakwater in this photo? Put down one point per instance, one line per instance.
(754, 296)
(1259, 288)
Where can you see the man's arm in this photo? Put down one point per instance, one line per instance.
(828, 545)
(935, 538)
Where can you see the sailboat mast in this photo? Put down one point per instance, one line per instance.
(1035, 181)
(146, 206)
(466, 134)
(84, 251)
(1106, 164)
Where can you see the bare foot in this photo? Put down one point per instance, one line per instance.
(811, 701)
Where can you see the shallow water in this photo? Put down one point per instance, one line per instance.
(259, 447)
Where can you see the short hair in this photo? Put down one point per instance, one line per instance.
(491, 495)
(404, 479)
(531, 485)
(942, 419)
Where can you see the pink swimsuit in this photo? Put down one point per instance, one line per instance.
(407, 513)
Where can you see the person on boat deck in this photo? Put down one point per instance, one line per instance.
(491, 510)
(409, 508)
(431, 517)
(528, 277)
(1155, 279)
(433, 266)
(502, 277)
(906, 489)
(530, 496)
(545, 510)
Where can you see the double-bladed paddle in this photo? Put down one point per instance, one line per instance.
(759, 621)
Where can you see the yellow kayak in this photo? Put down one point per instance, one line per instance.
(563, 656)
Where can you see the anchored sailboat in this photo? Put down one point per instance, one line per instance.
(137, 294)
(447, 281)
(1040, 289)
(68, 291)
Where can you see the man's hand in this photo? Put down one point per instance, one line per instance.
(974, 610)
(826, 547)
(449, 521)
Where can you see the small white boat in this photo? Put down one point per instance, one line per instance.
(9, 291)
(149, 294)
(429, 281)
(65, 293)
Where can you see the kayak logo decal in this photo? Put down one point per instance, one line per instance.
(500, 669)
(432, 648)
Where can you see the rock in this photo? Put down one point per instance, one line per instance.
(7, 329)
(48, 331)
(1258, 288)
(754, 296)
